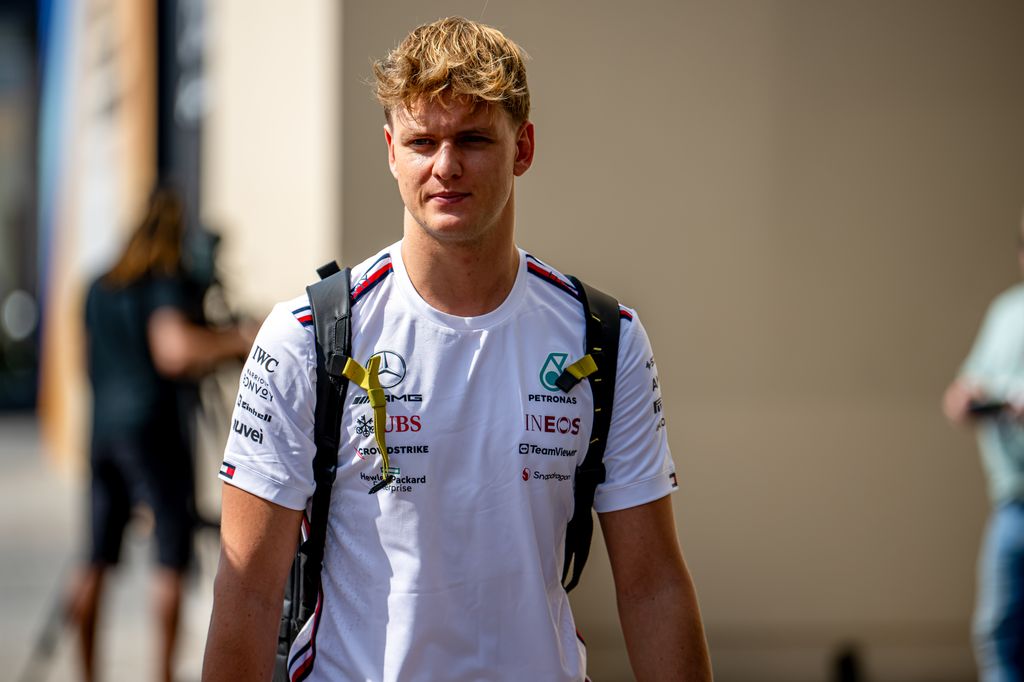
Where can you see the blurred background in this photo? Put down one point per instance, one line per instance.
(810, 204)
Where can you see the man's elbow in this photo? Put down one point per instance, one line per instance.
(665, 586)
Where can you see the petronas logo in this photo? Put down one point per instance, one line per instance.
(552, 369)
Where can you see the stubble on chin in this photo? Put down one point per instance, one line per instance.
(460, 235)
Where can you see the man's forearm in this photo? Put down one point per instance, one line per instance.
(243, 633)
(257, 540)
(664, 634)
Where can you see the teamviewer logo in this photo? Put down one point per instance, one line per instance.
(524, 448)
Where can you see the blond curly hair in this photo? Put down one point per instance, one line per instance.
(454, 57)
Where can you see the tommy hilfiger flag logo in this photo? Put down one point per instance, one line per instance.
(227, 470)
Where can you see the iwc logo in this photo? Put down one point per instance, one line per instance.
(552, 369)
(392, 368)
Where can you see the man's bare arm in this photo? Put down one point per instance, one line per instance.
(655, 594)
(258, 540)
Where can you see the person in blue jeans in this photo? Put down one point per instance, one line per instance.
(988, 394)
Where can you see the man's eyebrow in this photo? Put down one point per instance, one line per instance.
(475, 130)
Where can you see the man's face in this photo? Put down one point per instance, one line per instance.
(455, 166)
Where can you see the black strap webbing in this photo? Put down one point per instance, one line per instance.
(329, 300)
(602, 319)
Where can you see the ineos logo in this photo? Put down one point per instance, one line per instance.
(392, 368)
(547, 423)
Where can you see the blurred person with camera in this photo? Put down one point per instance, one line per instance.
(143, 346)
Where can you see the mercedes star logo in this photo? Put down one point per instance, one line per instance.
(392, 368)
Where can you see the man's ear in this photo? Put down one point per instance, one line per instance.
(525, 145)
(389, 138)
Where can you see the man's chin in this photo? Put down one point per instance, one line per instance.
(452, 232)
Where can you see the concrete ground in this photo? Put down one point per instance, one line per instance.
(42, 518)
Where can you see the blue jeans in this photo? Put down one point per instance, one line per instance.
(999, 614)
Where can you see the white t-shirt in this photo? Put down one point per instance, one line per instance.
(453, 571)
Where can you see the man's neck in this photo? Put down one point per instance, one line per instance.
(464, 279)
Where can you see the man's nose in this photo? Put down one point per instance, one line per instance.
(447, 163)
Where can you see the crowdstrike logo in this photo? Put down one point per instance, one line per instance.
(552, 369)
(394, 450)
(392, 368)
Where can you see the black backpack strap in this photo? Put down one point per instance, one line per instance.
(330, 302)
(601, 312)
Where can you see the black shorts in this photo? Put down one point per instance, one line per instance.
(125, 474)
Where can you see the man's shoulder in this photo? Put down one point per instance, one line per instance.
(289, 322)
(554, 279)
(558, 281)
(1014, 294)
(1010, 302)
(370, 273)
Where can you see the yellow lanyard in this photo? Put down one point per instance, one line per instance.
(368, 379)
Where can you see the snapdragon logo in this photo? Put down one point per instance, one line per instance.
(534, 475)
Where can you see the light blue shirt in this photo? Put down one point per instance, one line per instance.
(996, 363)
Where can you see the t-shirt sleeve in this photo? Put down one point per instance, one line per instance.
(270, 447)
(638, 463)
(164, 292)
(996, 360)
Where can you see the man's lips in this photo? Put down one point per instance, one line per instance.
(448, 197)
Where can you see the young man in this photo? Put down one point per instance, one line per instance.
(452, 572)
(988, 394)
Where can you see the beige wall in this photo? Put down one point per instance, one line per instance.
(271, 143)
(810, 204)
(103, 157)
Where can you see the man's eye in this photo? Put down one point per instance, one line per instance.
(420, 142)
(476, 139)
